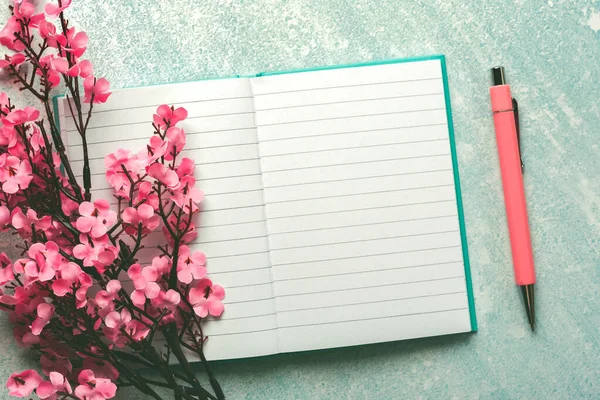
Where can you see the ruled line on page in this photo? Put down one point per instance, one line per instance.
(371, 302)
(237, 255)
(348, 85)
(226, 177)
(374, 318)
(365, 224)
(349, 101)
(187, 134)
(158, 105)
(353, 147)
(354, 163)
(372, 286)
(360, 178)
(234, 271)
(350, 116)
(248, 301)
(245, 317)
(356, 131)
(322, 213)
(362, 209)
(242, 332)
(245, 285)
(360, 194)
(202, 179)
(371, 270)
(148, 123)
(200, 164)
(363, 240)
(195, 148)
(367, 255)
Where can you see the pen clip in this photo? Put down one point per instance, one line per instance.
(516, 113)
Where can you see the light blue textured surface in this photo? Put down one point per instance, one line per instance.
(552, 54)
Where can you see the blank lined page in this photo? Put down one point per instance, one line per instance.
(361, 205)
(221, 138)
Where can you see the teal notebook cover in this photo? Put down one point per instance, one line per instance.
(442, 59)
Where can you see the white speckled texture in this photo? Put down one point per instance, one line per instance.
(551, 50)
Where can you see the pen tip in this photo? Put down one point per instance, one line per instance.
(528, 297)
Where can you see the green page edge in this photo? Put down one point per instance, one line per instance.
(461, 218)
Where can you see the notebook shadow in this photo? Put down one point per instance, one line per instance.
(335, 359)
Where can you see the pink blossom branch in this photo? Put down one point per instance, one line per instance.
(72, 243)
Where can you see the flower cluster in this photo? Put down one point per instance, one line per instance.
(84, 294)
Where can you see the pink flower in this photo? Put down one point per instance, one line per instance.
(24, 11)
(120, 158)
(105, 297)
(23, 222)
(68, 274)
(77, 42)
(187, 194)
(96, 90)
(7, 35)
(153, 151)
(57, 383)
(189, 235)
(53, 9)
(190, 266)
(56, 361)
(85, 282)
(186, 167)
(82, 68)
(137, 330)
(101, 368)
(168, 300)
(176, 142)
(4, 102)
(15, 174)
(14, 61)
(99, 253)
(119, 182)
(165, 175)
(35, 271)
(6, 269)
(44, 260)
(143, 215)
(55, 63)
(45, 312)
(117, 320)
(206, 299)
(95, 218)
(23, 384)
(18, 117)
(4, 217)
(114, 322)
(145, 284)
(169, 115)
(48, 31)
(47, 253)
(162, 265)
(93, 388)
(147, 194)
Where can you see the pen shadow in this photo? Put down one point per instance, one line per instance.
(252, 369)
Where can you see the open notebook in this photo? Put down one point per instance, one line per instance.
(332, 215)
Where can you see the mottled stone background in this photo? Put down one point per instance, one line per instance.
(552, 53)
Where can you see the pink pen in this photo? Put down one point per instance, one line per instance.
(506, 122)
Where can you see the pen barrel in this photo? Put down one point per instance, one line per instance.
(512, 183)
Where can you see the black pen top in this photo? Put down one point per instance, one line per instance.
(498, 76)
